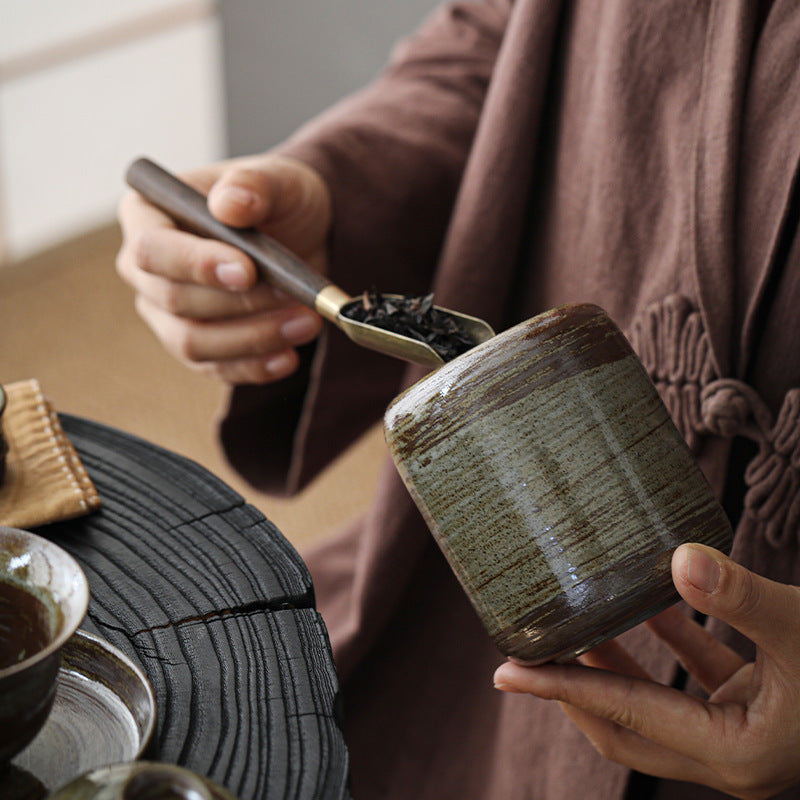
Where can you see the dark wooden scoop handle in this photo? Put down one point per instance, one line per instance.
(189, 209)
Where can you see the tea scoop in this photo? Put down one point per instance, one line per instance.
(287, 272)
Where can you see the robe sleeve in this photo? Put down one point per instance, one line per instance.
(392, 156)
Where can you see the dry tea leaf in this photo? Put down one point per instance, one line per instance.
(415, 317)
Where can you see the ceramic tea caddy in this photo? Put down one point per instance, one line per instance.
(555, 482)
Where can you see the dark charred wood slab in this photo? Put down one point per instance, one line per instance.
(216, 606)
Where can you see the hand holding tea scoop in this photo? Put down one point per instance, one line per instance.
(283, 270)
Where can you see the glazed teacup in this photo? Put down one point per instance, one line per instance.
(43, 599)
(555, 482)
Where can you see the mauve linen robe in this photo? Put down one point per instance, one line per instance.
(639, 155)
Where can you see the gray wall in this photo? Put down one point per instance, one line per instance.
(285, 60)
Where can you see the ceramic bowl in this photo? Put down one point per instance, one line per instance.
(555, 482)
(104, 713)
(43, 599)
(142, 780)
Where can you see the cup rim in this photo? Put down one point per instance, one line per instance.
(77, 607)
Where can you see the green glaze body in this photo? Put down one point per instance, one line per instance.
(555, 482)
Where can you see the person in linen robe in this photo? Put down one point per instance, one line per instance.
(639, 154)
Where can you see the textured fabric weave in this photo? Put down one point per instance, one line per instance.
(44, 479)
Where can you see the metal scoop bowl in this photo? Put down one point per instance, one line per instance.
(285, 271)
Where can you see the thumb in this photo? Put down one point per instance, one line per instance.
(286, 198)
(241, 196)
(764, 611)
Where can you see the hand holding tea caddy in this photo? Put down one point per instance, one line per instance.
(745, 738)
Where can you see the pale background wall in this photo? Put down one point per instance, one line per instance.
(287, 59)
(87, 85)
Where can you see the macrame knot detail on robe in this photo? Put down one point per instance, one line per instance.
(731, 408)
(773, 476)
(671, 342)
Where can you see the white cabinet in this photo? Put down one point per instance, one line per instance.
(85, 87)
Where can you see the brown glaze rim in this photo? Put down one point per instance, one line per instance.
(564, 340)
(72, 623)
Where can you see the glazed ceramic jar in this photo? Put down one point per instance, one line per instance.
(555, 482)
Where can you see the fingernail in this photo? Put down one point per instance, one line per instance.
(232, 275)
(238, 196)
(702, 571)
(506, 687)
(299, 330)
(501, 682)
(279, 364)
